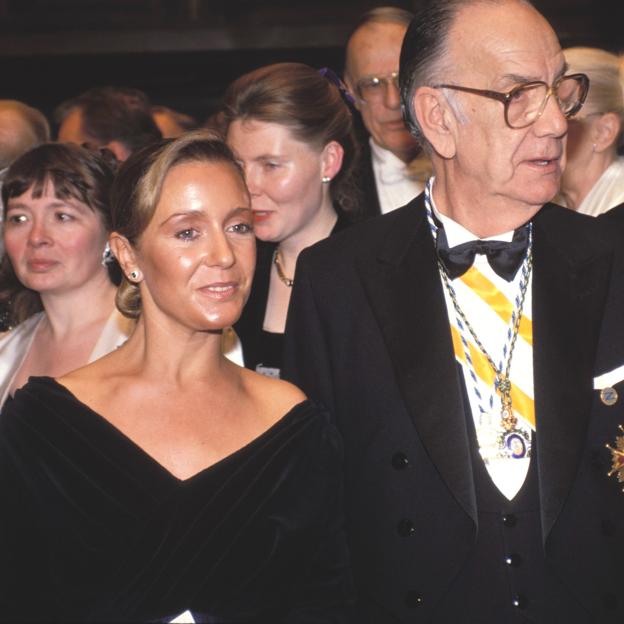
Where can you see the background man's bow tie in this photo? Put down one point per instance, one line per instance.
(504, 258)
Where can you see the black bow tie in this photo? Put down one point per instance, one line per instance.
(504, 258)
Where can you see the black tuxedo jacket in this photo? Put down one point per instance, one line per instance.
(368, 199)
(368, 335)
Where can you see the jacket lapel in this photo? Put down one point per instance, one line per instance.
(403, 287)
(569, 288)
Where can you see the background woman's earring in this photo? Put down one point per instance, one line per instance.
(325, 179)
(107, 255)
(135, 275)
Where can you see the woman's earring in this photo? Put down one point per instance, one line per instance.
(107, 256)
(135, 275)
(325, 179)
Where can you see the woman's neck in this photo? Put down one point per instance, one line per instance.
(575, 189)
(68, 312)
(161, 348)
(317, 229)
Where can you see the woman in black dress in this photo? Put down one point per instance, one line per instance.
(292, 130)
(163, 480)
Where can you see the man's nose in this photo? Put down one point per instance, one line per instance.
(392, 97)
(552, 121)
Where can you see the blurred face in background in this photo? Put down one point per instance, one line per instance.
(54, 245)
(70, 130)
(373, 52)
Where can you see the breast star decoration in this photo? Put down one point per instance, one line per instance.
(617, 457)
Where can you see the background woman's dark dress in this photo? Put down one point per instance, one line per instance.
(94, 529)
(263, 350)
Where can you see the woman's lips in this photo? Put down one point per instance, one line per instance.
(220, 291)
(40, 266)
(261, 215)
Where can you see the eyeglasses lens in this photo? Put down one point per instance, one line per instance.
(527, 103)
(568, 94)
(374, 88)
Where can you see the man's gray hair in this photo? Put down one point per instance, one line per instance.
(380, 15)
(424, 55)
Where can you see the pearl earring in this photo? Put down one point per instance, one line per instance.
(325, 179)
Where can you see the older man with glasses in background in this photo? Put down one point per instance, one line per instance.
(455, 342)
(393, 169)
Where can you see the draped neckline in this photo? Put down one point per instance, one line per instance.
(294, 414)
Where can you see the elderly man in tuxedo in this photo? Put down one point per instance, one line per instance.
(391, 166)
(455, 342)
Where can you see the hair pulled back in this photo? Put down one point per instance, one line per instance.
(138, 186)
(312, 107)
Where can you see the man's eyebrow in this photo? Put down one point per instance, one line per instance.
(518, 79)
(563, 71)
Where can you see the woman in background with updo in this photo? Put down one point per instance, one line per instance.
(292, 131)
(593, 180)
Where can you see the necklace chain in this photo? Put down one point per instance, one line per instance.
(502, 383)
(277, 261)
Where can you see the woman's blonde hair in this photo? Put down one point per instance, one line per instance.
(606, 82)
(138, 185)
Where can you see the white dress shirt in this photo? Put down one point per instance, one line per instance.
(607, 193)
(396, 183)
(508, 474)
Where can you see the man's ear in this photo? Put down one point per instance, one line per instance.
(436, 120)
(331, 157)
(606, 131)
(124, 252)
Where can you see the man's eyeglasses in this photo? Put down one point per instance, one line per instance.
(374, 88)
(525, 103)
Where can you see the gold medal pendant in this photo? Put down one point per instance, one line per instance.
(503, 387)
(617, 457)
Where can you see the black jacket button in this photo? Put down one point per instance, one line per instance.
(413, 599)
(405, 527)
(400, 461)
(513, 560)
(510, 520)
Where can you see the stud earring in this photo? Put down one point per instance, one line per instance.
(135, 275)
(325, 179)
(107, 256)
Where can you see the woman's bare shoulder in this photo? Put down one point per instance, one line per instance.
(276, 396)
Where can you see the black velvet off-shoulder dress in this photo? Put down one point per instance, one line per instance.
(94, 529)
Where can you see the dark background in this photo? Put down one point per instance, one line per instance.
(183, 53)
